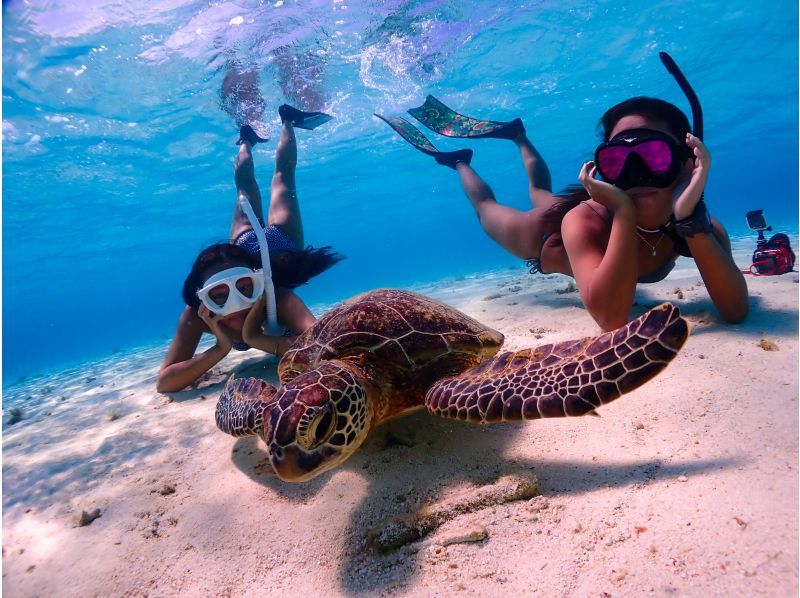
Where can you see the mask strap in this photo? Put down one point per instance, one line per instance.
(266, 268)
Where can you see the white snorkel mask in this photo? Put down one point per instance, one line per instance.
(232, 290)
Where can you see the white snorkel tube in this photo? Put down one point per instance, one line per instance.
(266, 268)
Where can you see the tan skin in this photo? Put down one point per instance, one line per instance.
(607, 263)
(518, 232)
(181, 366)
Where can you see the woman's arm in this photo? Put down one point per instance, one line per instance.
(181, 366)
(275, 345)
(711, 249)
(605, 272)
(723, 278)
(294, 314)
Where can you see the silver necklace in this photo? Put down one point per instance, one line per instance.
(652, 247)
(651, 231)
(648, 230)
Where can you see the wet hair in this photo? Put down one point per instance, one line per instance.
(566, 199)
(652, 109)
(290, 269)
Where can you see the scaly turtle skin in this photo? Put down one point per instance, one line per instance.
(386, 353)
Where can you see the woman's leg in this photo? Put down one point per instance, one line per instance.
(245, 177)
(516, 231)
(284, 209)
(552, 257)
(241, 98)
(540, 187)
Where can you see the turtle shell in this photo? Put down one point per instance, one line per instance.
(398, 336)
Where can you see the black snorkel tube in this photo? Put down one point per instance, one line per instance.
(697, 111)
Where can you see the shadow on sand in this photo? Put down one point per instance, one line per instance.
(454, 453)
(762, 318)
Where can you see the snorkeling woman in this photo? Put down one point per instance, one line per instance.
(613, 233)
(532, 235)
(223, 291)
(649, 210)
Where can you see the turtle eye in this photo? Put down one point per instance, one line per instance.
(321, 427)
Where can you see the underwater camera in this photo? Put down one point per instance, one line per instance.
(773, 256)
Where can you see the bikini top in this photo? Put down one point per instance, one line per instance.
(681, 248)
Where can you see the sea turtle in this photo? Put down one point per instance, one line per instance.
(388, 352)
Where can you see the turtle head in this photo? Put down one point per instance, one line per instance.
(320, 418)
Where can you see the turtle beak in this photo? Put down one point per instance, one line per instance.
(294, 464)
(287, 469)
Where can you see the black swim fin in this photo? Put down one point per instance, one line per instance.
(446, 121)
(248, 134)
(303, 120)
(415, 137)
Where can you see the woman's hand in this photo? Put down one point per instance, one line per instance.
(253, 333)
(603, 193)
(254, 320)
(687, 200)
(212, 321)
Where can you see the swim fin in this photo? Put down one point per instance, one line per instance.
(303, 120)
(248, 134)
(415, 137)
(446, 121)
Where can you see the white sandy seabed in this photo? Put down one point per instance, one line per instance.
(686, 486)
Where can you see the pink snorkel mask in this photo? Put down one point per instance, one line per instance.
(640, 158)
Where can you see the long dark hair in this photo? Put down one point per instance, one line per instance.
(650, 108)
(290, 269)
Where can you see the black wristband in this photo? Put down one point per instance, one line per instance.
(698, 222)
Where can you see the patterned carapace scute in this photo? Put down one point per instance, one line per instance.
(566, 379)
(394, 328)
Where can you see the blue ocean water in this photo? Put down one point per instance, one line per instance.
(117, 157)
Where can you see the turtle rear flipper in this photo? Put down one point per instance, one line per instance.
(242, 405)
(566, 379)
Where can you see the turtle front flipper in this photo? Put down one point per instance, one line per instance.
(242, 405)
(566, 379)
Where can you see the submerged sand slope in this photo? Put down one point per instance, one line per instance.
(687, 485)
